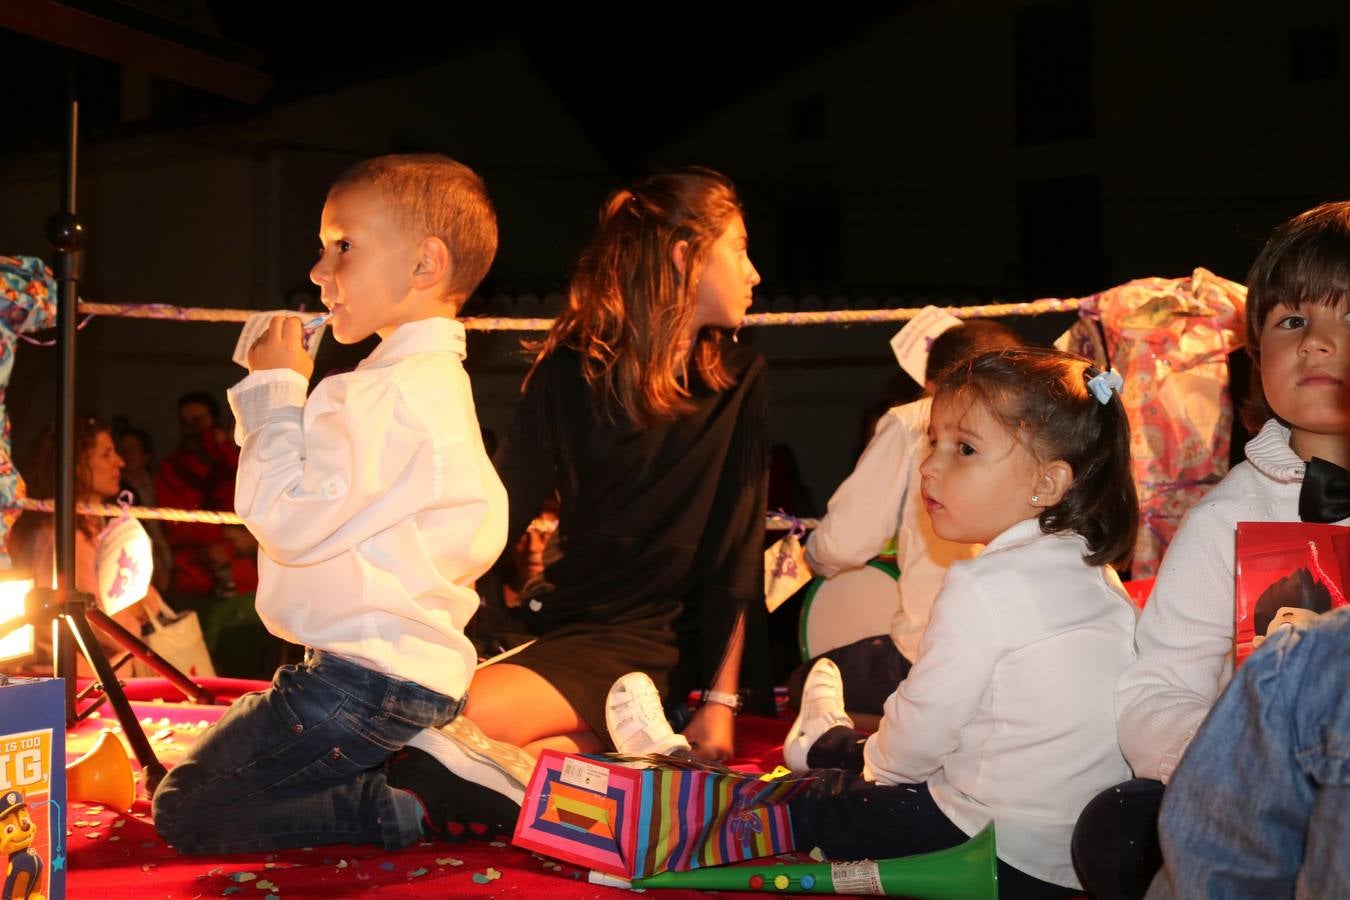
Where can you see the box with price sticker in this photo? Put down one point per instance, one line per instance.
(634, 818)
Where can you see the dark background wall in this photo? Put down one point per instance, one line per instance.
(925, 152)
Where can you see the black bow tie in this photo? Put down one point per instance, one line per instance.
(1325, 496)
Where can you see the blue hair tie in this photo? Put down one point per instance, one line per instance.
(1103, 383)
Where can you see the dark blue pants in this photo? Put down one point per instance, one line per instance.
(1115, 843)
(872, 668)
(850, 818)
(300, 764)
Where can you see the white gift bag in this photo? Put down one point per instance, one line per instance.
(179, 640)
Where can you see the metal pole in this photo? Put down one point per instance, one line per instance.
(67, 237)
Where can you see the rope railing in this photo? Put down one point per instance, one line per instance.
(165, 312)
(776, 521)
(865, 316)
(136, 512)
(773, 521)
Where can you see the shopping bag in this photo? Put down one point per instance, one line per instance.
(179, 640)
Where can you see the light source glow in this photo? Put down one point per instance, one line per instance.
(14, 588)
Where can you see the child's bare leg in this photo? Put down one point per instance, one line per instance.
(517, 705)
(577, 742)
(473, 772)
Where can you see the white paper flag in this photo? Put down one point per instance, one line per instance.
(315, 326)
(911, 343)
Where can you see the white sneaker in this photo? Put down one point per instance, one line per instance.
(822, 709)
(635, 720)
(462, 748)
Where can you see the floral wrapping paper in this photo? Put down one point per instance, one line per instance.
(28, 303)
(1169, 338)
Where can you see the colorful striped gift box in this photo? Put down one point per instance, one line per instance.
(619, 818)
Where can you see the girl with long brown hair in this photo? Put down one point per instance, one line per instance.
(650, 424)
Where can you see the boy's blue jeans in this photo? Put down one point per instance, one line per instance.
(1260, 804)
(300, 764)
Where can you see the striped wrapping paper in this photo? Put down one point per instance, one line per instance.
(633, 822)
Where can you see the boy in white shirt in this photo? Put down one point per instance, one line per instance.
(1298, 336)
(375, 508)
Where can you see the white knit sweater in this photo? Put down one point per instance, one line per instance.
(1185, 635)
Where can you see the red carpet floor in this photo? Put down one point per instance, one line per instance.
(116, 856)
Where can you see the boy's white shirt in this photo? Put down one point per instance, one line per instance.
(1185, 635)
(880, 500)
(1007, 714)
(374, 504)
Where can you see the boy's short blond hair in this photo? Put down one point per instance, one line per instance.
(437, 197)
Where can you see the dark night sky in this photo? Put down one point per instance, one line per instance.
(1007, 150)
(679, 63)
(1031, 97)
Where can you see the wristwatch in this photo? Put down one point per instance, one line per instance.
(722, 698)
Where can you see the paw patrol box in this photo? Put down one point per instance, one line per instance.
(33, 818)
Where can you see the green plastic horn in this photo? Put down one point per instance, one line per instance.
(968, 871)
